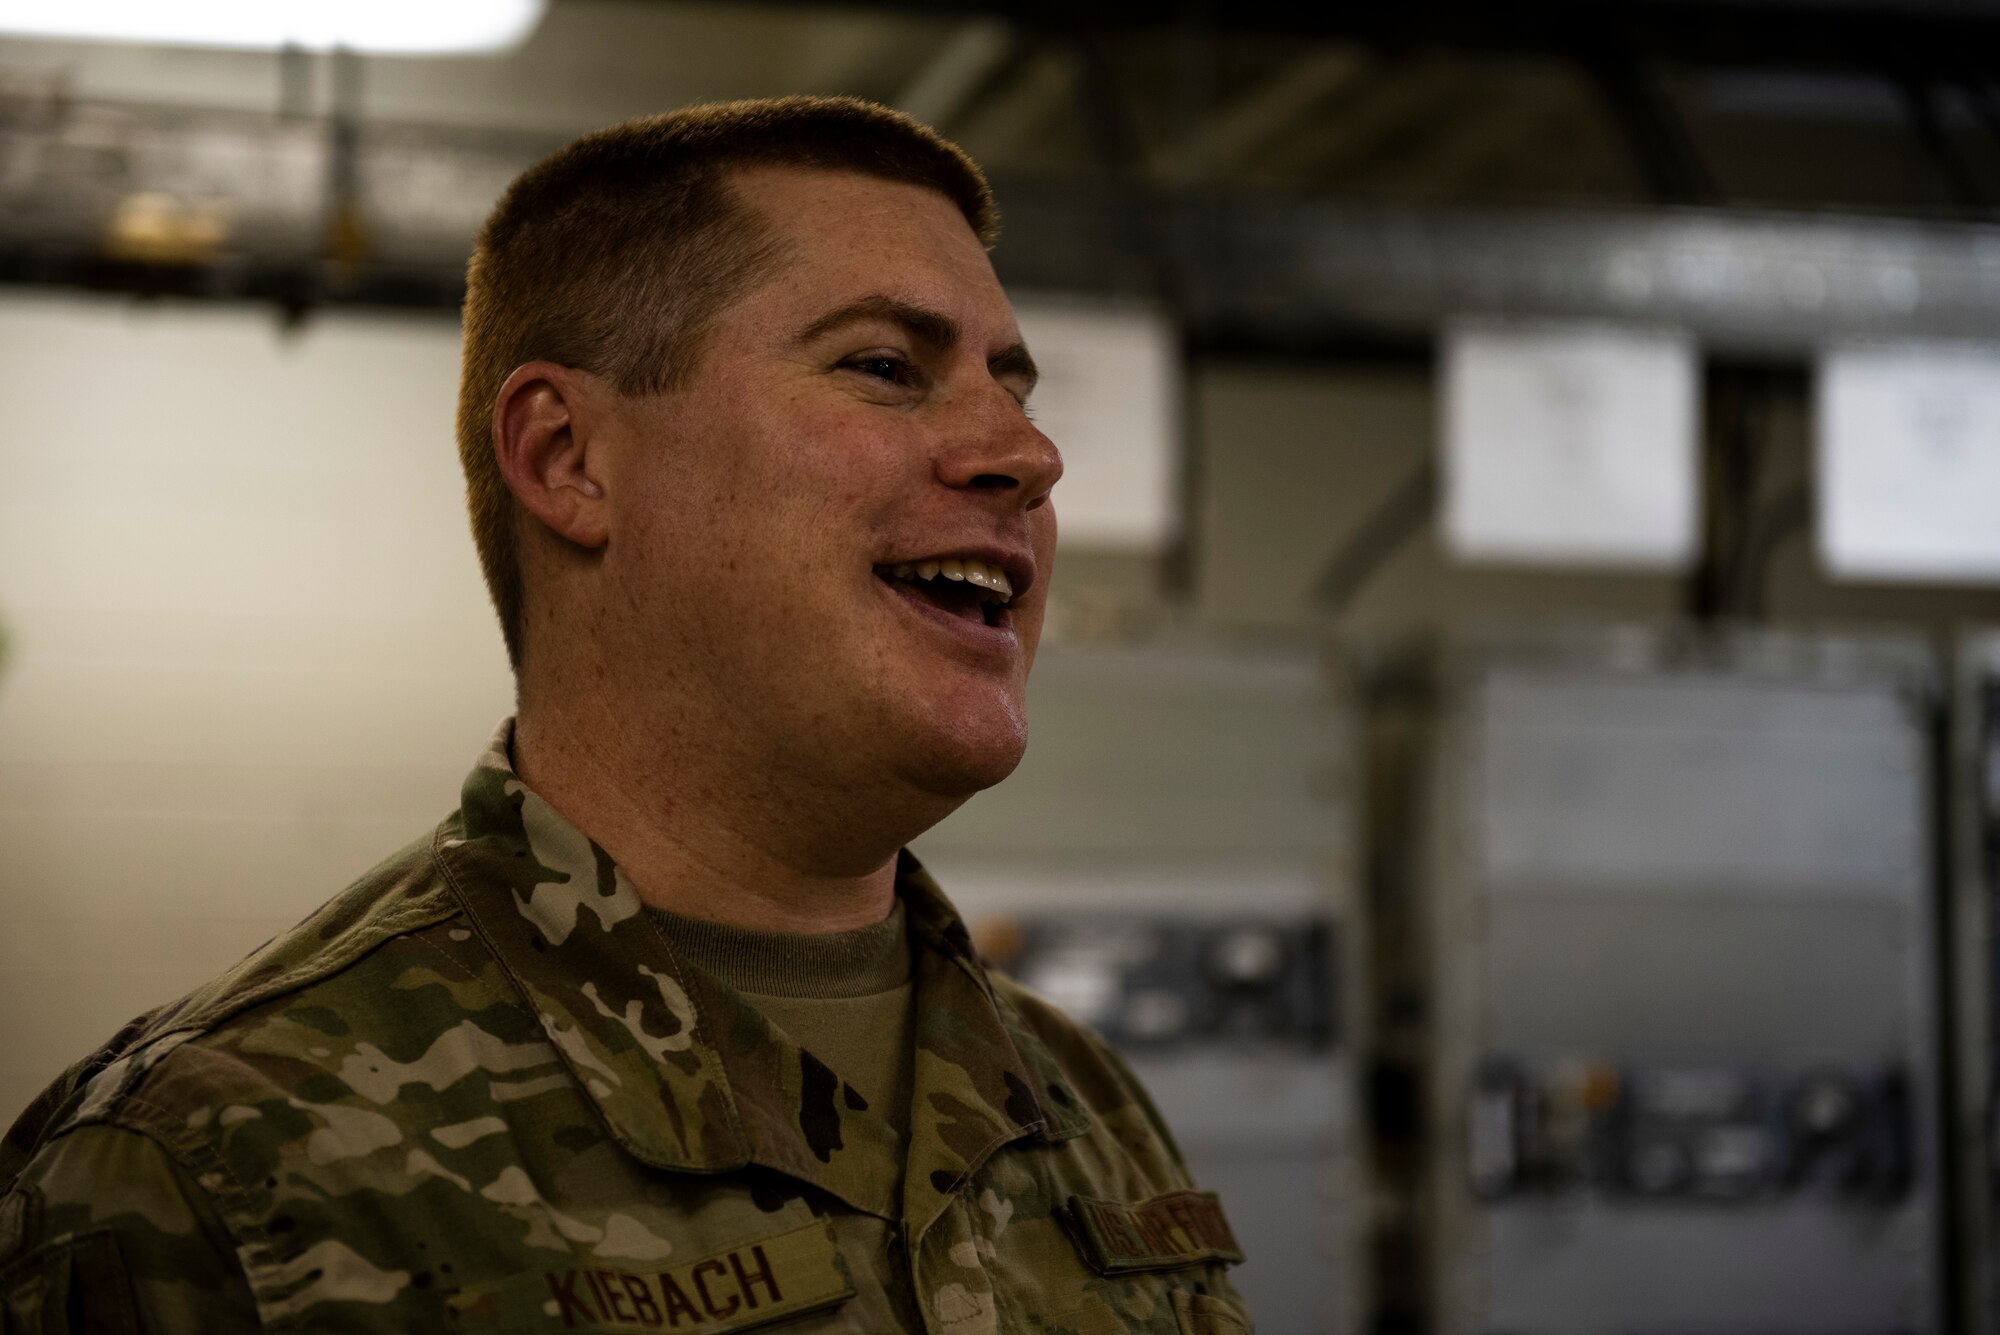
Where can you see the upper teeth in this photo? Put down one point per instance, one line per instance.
(994, 586)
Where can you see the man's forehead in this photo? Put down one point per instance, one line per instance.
(907, 256)
(792, 196)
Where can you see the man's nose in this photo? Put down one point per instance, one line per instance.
(1003, 452)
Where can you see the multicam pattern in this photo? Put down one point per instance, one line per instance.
(477, 1091)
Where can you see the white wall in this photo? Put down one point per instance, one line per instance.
(250, 650)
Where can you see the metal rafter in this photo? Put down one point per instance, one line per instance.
(1938, 38)
(1254, 117)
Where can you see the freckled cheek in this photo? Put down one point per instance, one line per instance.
(873, 446)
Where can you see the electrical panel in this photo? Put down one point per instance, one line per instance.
(1975, 921)
(1984, 719)
(1688, 1133)
(1151, 985)
(1684, 1020)
(1172, 865)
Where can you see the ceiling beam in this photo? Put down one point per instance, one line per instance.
(1933, 37)
(972, 59)
(1238, 129)
(1291, 274)
(1476, 152)
(1265, 270)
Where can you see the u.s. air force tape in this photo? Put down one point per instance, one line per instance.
(1177, 1229)
(745, 1286)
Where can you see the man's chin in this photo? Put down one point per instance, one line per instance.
(955, 766)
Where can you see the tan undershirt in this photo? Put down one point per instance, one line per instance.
(846, 997)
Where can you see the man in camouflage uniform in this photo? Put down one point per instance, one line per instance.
(766, 523)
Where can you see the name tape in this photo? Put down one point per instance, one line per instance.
(747, 1285)
(1181, 1228)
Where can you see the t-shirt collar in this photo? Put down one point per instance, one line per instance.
(684, 1073)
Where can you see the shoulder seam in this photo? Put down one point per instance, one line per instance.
(139, 1116)
(395, 923)
(202, 1020)
(136, 1116)
(199, 1158)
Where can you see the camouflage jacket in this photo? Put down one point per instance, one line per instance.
(478, 1092)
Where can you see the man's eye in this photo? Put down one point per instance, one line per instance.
(895, 370)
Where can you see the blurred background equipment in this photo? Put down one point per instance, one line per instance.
(1173, 864)
(1686, 991)
(1975, 812)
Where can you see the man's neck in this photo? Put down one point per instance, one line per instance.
(688, 845)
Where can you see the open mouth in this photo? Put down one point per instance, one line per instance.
(958, 586)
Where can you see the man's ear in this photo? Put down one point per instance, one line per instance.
(543, 422)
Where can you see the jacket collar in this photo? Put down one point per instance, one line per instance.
(685, 1074)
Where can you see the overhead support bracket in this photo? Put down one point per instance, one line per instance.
(1255, 272)
(1662, 149)
(1280, 274)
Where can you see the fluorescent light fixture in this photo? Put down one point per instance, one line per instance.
(1908, 439)
(1110, 398)
(379, 27)
(1570, 444)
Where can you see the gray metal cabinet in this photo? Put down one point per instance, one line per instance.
(1685, 1071)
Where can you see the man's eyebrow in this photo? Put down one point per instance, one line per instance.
(929, 326)
(1015, 361)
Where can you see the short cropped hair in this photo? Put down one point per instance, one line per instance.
(615, 255)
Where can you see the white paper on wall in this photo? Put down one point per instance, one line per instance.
(1909, 462)
(1109, 398)
(1570, 444)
